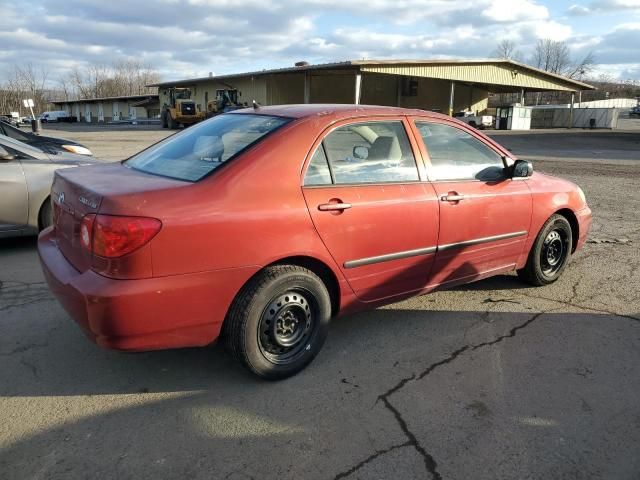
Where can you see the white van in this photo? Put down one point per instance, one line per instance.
(53, 116)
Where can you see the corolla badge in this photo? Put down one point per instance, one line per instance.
(61, 198)
(87, 202)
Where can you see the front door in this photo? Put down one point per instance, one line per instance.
(116, 111)
(377, 219)
(87, 113)
(484, 214)
(100, 112)
(14, 205)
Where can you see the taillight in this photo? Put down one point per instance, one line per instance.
(113, 236)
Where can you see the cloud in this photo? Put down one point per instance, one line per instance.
(515, 11)
(579, 10)
(615, 4)
(187, 38)
(604, 6)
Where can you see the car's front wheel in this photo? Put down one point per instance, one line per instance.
(550, 252)
(279, 321)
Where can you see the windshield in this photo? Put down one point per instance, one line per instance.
(12, 132)
(197, 151)
(183, 94)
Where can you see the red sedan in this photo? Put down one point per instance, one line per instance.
(262, 224)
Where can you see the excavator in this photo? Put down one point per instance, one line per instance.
(181, 109)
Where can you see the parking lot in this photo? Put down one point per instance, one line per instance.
(487, 381)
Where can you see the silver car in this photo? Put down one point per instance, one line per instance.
(26, 175)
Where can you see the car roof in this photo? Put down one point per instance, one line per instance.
(335, 111)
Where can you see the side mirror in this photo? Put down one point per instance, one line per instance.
(5, 156)
(360, 152)
(522, 169)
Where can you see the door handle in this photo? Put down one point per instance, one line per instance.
(452, 197)
(332, 207)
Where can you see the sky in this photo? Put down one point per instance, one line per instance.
(190, 38)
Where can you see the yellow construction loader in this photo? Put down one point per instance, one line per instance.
(226, 100)
(180, 109)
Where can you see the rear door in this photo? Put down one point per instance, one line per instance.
(484, 214)
(377, 219)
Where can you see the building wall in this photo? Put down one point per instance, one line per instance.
(284, 89)
(377, 89)
(434, 95)
(338, 86)
(332, 87)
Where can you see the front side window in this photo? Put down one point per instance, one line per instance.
(196, 152)
(457, 155)
(370, 152)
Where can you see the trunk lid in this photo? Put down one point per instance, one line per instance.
(79, 191)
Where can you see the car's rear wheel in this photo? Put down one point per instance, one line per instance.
(45, 217)
(550, 252)
(279, 321)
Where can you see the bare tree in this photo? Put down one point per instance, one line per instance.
(582, 68)
(128, 77)
(24, 82)
(507, 50)
(555, 57)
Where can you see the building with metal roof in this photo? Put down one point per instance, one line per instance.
(440, 85)
(124, 108)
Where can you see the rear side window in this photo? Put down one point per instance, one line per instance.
(370, 152)
(457, 155)
(196, 152)
(318, 172)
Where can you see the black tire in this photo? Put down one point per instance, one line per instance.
(279, 321)
(550, 252)
(45, 216)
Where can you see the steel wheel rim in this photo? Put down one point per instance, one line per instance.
(287, 326)
(554, 252)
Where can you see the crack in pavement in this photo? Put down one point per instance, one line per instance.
(370, 458)
(4, 308)
(24, 348)
(32, 367)
(429, 461)
(582, 307)
(15, 294)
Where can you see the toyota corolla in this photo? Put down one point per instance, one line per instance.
(261, 225)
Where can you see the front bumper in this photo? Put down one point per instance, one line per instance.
(144, 314)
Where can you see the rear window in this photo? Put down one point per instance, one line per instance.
(199, 150)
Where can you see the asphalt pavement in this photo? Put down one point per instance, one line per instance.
(493, 380)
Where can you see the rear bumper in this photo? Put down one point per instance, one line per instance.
(145, 314)
(584, 226)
